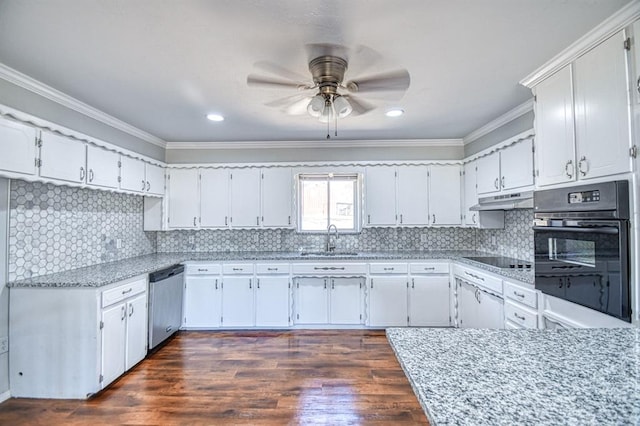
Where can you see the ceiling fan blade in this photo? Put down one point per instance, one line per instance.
(298, 107)
(256, 80)
(398, 80)
(359, 106)
(276, 69)
(288, 100)
(362, 59)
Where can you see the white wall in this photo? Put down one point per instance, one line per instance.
(4, 291)
(512, 128)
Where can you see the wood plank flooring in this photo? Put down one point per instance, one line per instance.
(332, 377)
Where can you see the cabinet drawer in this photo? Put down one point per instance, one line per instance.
(520, 315)
(429, 268)
(521, 294)
(479, 278)
(121, 292)
(237, 268)
(388, 268)
(329, 268)
(272, 268)
(202, 269)
(508, 325)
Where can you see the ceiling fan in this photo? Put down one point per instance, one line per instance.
(326, 95)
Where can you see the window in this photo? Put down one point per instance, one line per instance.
(328, 199)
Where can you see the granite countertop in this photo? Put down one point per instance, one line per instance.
(566, 376)
(108, 273)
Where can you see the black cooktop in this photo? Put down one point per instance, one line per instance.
(501, 262)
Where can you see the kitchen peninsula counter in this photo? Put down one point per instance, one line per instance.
(107, 273)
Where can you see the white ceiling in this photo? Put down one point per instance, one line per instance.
(162, 66)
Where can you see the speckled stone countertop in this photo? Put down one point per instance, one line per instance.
(570, 376)
(108, 273)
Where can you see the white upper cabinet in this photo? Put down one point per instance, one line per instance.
(591, 95)
(214, 198)
(470, 195)
(245, 198)
(18, 143)
(103, 167)
(601, 110)
(516, 165)
(183, 198)
(555, 155)
(132, 174)
(155, 179)
(380, 196)
(277, 187)
(63, 158)
(488, 174)
(413, 195)
(444, 195)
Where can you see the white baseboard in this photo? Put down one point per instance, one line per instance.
(4, 396)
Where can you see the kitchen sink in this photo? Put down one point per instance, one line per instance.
(328, 253)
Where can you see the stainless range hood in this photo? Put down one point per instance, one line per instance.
(518, 200)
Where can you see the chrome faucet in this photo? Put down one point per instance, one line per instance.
(332, 246)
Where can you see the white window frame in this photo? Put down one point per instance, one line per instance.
(357, 200)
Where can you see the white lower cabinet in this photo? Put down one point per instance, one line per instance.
(388, 301)
(237, 302)
(91, 335)
(478, 308)
(346, 300)
(329, 300)
(311, 301)
(273, 301)
(202, 302)
(429, 302)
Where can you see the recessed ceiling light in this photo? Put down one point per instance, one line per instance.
(394, 113)
(215, 117)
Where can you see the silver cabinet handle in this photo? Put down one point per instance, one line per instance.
(388, 269)
(90, 175)
(400, 218)
(257, 220)
(328, 268)
(521, 318)
(202, 270)
(148, 186)
(144, 184)
(333, 285)
(371, 282)
(258, 283)
(515, 293)
(82, 173)
(413, 283)
(638, 85)
(583, 160)
(168, 329)
(496, 183)
(289, 220)
(194, 221)
(249, 282)
(432, 268)
(216, 284)
(127, 291)
(474, 276)
(434, 218)
(473, 218)
(272, 269)
(130, 309)
(226, 223)
(566, 169)
(502, 182)
(325, 284)
(123, 313)
(237, 269)
(369, 219)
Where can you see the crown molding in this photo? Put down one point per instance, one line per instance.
(505, 118)
(22, 80)
(403, 143)
(598, 34)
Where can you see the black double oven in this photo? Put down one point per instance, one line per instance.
(581, 238)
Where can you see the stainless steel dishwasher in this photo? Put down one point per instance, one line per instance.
(165, 303)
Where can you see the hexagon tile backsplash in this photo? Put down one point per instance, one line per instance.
(56, 228)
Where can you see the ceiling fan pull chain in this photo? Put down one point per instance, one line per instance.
(328, 129)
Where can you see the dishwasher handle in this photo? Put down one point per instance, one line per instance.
(165, 273)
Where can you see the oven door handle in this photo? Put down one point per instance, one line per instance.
(586, 230)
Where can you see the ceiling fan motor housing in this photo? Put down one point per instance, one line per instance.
(328, 72)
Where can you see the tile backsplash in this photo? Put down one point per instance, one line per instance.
(56, 228)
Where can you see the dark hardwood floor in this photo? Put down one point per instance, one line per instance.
(309, 377)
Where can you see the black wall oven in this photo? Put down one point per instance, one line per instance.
(581, 239)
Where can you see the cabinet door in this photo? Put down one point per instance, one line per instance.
(237, 302)
(277, 187)
(413, 195)
(380, 196)
(104, 167)
(132, 174)
(470, 195)
(388, 301)
(488, 174)
(467, 305)
(245, 198)
(183, 198)
(554, 123)
(136, 339)
(311, 301)
(202, 307)
(346, 301)
(113, 342)
(214, 198)
(155, 179)
(516, 165)
(273, 301)
(490, 311)
(63, 158)
(602, 110)
(18, 147)
(444, 195)
(429, 301)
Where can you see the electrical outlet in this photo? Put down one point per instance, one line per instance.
(192, 239)
(4, 345)
(118, 243)
(494, 240)
(423, 238)
(256, 238)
